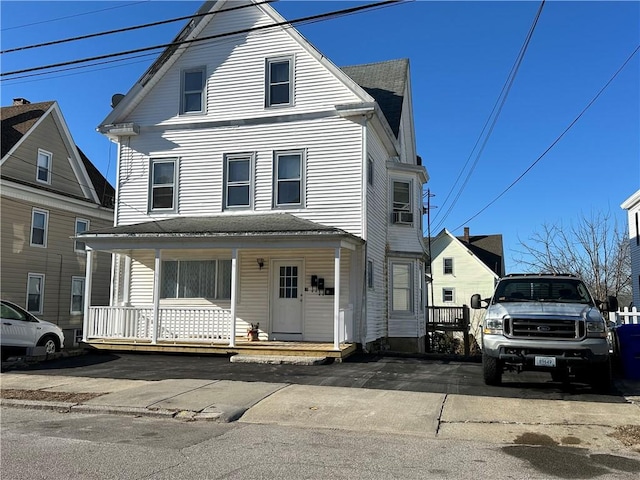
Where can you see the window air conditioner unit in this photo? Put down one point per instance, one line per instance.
(403, 217)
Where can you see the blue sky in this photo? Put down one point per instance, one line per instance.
(461, 54)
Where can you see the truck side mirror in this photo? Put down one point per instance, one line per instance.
(612, 304)
(476, 301)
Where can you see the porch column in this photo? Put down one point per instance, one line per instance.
(87, 294)
(234, 277)
(126, 292)
(157, 275)
(336, 301)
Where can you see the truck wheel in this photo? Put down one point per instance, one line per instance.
(601, 377)
(492, 370)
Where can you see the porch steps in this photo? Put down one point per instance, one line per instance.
(279, 359)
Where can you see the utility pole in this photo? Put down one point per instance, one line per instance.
(429, 207)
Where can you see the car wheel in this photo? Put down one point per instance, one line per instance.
(492, 370)
(50, 345)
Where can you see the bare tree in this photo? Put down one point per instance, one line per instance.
(594, 248)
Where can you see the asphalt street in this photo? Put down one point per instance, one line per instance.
(359, 371)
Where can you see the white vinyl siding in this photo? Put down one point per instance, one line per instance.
(39, 227)
(43, 169)
(35, 292)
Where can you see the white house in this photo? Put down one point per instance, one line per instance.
(632, 206)
(463, 266)
(259, 184)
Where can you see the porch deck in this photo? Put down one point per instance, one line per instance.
(262, 347)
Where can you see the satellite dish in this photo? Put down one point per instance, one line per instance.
(116, 99)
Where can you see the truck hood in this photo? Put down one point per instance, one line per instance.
(529, 309)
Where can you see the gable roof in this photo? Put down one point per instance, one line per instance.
(385, 82)
(17, 122)
(488, 248)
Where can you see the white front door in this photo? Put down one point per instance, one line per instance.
(286, 300)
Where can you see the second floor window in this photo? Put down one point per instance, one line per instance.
(163, 185)
(447, 266)
(193, 93)
(82, 225)
(279, 81)
(43, 169)
(39, 226)
(288, 186)
(402, 212)
(238, 181)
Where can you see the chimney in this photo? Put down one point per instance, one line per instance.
(466, 234)
(21, 101)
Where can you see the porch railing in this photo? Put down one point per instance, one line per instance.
(175, 323)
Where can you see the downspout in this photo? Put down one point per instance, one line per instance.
(365, 193)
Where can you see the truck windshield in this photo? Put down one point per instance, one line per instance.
(542, 290)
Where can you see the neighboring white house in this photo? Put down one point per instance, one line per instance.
(463, 266)
(258, 183)
(632, 206)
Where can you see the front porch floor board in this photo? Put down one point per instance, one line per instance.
(308, 349)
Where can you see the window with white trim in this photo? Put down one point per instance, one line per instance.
(82, 225)
(288, 178)
(163, 185)
(448, 295)
(196, 279)
(279, 81)
(39, 227)
(43, 169)
(402, 212)
(77, 295)
(35, 292)
(192, 98)
(447, 266)
(238, 181)
(402, 287)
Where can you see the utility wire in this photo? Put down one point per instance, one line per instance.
(71, 16)
(129, 29)
(491, 119)
(333, 14)
(575, 120)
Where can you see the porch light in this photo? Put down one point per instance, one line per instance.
(260, 262)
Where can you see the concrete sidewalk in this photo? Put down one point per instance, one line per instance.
(595, 425)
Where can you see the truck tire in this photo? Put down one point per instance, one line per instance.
(492, 370)
(601, 377)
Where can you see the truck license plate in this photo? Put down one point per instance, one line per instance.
(545, 361)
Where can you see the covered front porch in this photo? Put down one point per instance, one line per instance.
(191, 285)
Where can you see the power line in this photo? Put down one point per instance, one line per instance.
(129, 29)
(491, 119)
(333, 14)
(575, 120)
(72, 16)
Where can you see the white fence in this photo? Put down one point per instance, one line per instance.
(625, 316)
(176, 323)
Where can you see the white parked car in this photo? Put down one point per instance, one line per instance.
(22, 330)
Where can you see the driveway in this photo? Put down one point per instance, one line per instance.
(358, 371)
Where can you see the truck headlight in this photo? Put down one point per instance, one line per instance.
(596, 329)
(493, 326)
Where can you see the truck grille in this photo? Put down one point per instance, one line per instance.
(545, 329)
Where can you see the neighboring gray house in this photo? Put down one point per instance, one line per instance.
(50, 191)
(290, 188)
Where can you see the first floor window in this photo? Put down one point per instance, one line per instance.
(77, 295)
(402, 287)
(447, 295)
(43, 170)
(370, 273)
(163, 185)
(288, 178)
(39, 225)
(35, 292)
(82, 225)
(196, 279)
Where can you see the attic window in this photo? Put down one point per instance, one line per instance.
(279, 81)
(192, 95)
(43, 169)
